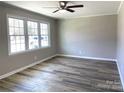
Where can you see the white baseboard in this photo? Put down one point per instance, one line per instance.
(84, 57)
(20, 69)
(23, 68)
(121, 78)
(104, 59)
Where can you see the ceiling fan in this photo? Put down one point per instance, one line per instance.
(63, 5)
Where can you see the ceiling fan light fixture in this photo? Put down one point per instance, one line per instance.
(62, 3)
(63, 7)
(62, 11)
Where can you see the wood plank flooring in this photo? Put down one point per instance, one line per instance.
(62, 74)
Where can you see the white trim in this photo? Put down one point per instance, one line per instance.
(97, 15)
(49, 32)
(25, 21)
(119, 8)
(121, 78)
(85, 57)
(27, 51)
(23, 68)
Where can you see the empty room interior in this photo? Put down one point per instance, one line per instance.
(61, 46)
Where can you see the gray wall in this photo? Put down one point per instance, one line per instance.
(10, 63)
(120, 56)
(89, 36)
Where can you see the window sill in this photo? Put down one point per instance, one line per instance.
(27, 51)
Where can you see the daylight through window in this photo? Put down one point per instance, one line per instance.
(33, 35)
(16, 35)
(24, 37)
(44, 34)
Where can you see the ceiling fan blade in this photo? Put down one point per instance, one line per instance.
(50, 7)
(55, 11)
(70, 10)
(75, 6)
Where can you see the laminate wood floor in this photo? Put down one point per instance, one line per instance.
(62, 74)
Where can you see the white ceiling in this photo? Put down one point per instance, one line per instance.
(91, 8)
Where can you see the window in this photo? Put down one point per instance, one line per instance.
(16, 35)
(26, 35)
(44, 33)
(33, 35)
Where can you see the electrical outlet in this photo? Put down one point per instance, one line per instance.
(35, 57)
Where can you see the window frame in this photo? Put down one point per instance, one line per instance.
(32, 20)
(8, 36)
(25, 23)
(49, 36)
